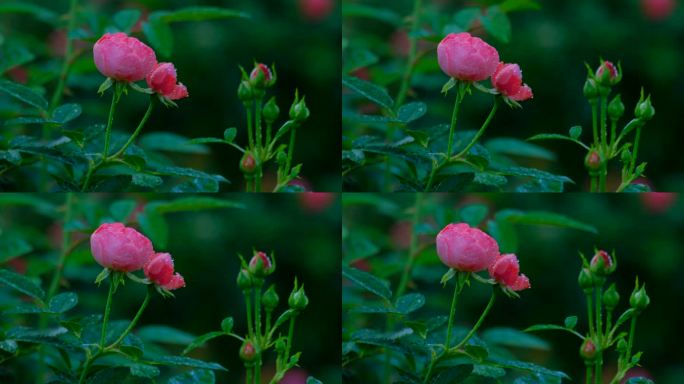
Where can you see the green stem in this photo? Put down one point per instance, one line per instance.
(257, 179)
(599, 337)
(454, 117)
(248, 304)
(408, 267)
(150, 289)
(594, 122)
(410, 63)
(590, 312)
(630, 341)
(589, 371)
(452, 312)
(57, 276)
(603, 174)
(257, 368)
(435, 168)
(290, 335)
(250, 138)
(269, 128)
(257, 315)
(604, 122)
(482, 129)
(86, 368)
(592, 187)
(290, 149)
(137, 130)
(470, 334)
(248, 376)
(613, 135)
(637, 139)
(108, 308)
(257, 123)
(248, 184)
(68, 51)
(116, 93)
(267, 330)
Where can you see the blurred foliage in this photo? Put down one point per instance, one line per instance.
(204, 235)
(644, 230)
(207, 55)
(551, 41)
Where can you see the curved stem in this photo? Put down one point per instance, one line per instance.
(290, 149)
(290, 335)
(470, 334)
(108, 131)
(408, 267)
(130, 327)
(454, 116)
(411, 60)
(482, 129)
(452, 312)
(68, 51)
(108, 307)
(137, 130)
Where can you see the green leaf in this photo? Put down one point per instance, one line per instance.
(570, 322)
(9, 346)
(188, 172)
(24, 94)
(490, 179)
(489, 371)
(197, 186)
(313, 380)
(519, 5)
(180, 361)
(575, 132)
(170, 142)
(510, 337)
(198, 203)
(154, 226)
(517, 147)
(63, 302)
(205, 140)
(122, 209)
(551, 327)
(14, 54)
(533, 173)
(368, 282)
(67, 112)
(12, 156)
(21, 283)
(119, 375)
(410, 302)
(197, 376)
(465, 18)
(159, 34)
(12, 246)
(381, 14)
(370, 91)
(473, 214)
(528, 367)
(201, 13)
(146, 181)
(144, 370)
(357, 58)
(227, 324)
(126, 19)
(505, 234)
(411, 111)
(496, 23)
(556, 136)
(452, 375)
(43, 14)
(200, 340)
(164, 334)
(229, 134)
(639, 380)
(542, 218)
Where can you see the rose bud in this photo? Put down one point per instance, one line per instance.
(245, 91)
(271, 111)
(602, 264)
(160, 271)
(644, 110)
(270, 299)
(248, 163)
(298, 299)
(616, 108)
(260, 265)
(590, 90)
(122, 57)
(261, 76)
(611, 297)
(506, 271)
(299, 111)
(247, 351)
(585, 280)
(162, 79)
(639, 300)
(244, 280)
(608, 74)
(466, 58)
(593, 160)
(466, 249)
(588, 350)
(120, 248)
(507, 79)
(658, 9)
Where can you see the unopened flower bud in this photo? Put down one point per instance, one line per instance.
(621, 346)
(626, 156)
(271, 111)
(270, 299)
(616, 108)
(260, 265)
(602, 264)
(248, 163)
(611, 297)
(588, 350)
(593, 160)
(585, 279)
(247, 351)
(298, 299)
(245, 92)
(244, 280)
(639, 300)
(607, 74)
(590, 90)
(261, 76)
(299, 111)
(280, 346)
(644, 110)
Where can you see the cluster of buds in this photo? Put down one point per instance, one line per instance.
(253, 85)
(252, 274)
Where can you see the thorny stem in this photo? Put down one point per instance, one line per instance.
(604, 125)
(411, 60)
(257, 315)
(257, 122)
(290, 149)
(248, 304)
(613, 135)
(290, 335)
(630, 342)
(590, 312)
(108, 308)
(470, 334)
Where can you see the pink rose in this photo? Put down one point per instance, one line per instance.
(507, 79)
(162, 79)
(122, 57)
(658, 9)
(506, 271)
(159, 270)
(120, 248)
(316, 9)
(466, 58)
(466, 249)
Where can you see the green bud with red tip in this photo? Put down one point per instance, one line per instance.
(247, 352)
(602, 264)
(260, 265)
(593, 160)
(588, 350)
(248, 163)
(261, 76)
(608, 74)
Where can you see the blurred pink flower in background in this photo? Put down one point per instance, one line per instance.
(295, 376)
(316, 10)
(18, 75)
(657, 202)
(658, 9)
(315, 202)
